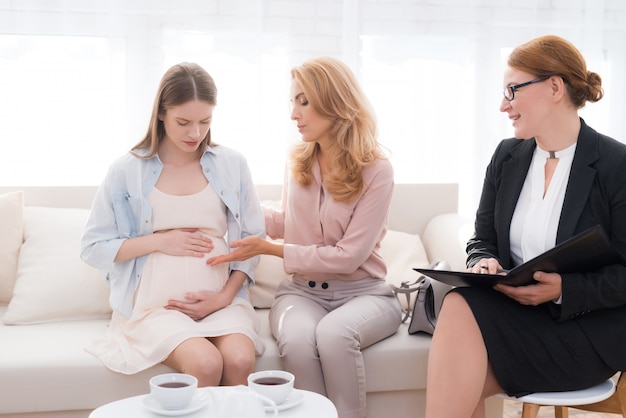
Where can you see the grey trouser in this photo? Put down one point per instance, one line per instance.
(321, 328)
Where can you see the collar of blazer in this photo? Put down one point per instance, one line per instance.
(579, 185)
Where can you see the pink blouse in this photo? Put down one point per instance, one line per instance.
(325, 239)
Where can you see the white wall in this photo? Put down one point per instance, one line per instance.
(432, 69)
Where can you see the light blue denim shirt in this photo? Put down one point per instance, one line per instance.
(120, 210)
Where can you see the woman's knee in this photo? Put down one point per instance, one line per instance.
(334, 338)
(239, 362)
(208, 368)
(239, 358)
(297, 345)
(199, 358)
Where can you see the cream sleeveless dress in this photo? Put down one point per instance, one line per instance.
(152, 332)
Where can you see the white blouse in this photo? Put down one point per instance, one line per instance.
(536, 217)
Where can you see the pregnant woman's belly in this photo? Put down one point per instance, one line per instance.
(168, 277)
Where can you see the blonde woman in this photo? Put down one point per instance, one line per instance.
(333, 218)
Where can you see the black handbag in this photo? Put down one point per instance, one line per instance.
(425, 306)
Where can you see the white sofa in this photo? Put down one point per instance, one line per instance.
(52, 304)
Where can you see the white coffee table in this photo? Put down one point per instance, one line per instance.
(313, 405)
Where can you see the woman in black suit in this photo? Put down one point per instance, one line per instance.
(556, 178)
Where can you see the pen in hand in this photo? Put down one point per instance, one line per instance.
(498, 271)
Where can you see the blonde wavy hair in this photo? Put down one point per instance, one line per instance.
(181, 83)
(334, 93)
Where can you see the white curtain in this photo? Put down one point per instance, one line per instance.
(78, 77)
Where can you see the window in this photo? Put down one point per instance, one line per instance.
(252, 78)
(64, 115)
(423, 95)
(78, 78)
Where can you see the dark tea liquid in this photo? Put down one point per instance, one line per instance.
(271, 381)
(173, 385)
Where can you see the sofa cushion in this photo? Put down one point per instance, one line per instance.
(30, 377)
(445, 237)
(53, 283)
(11, 231)
(45, 368)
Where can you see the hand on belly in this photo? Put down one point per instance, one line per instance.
(198, 305)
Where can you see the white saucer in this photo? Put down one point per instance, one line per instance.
(198, 401)
(295, 397)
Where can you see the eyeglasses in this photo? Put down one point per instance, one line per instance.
(509, 92)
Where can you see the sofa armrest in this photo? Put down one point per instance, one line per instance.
(445, 237)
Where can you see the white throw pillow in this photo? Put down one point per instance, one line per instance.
(11, 236)
(53, 283)
(446, 237)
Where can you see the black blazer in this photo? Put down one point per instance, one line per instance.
(595, 194)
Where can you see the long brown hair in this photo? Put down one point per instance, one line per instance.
(334, 93)
(550, 55)
(181, 83)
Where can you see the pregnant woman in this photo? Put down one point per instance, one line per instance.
(161, 210)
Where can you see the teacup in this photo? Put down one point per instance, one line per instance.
(173, 390)
(274, 384)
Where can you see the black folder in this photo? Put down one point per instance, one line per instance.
(584, 252)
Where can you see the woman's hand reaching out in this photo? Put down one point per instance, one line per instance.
(248, 247)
